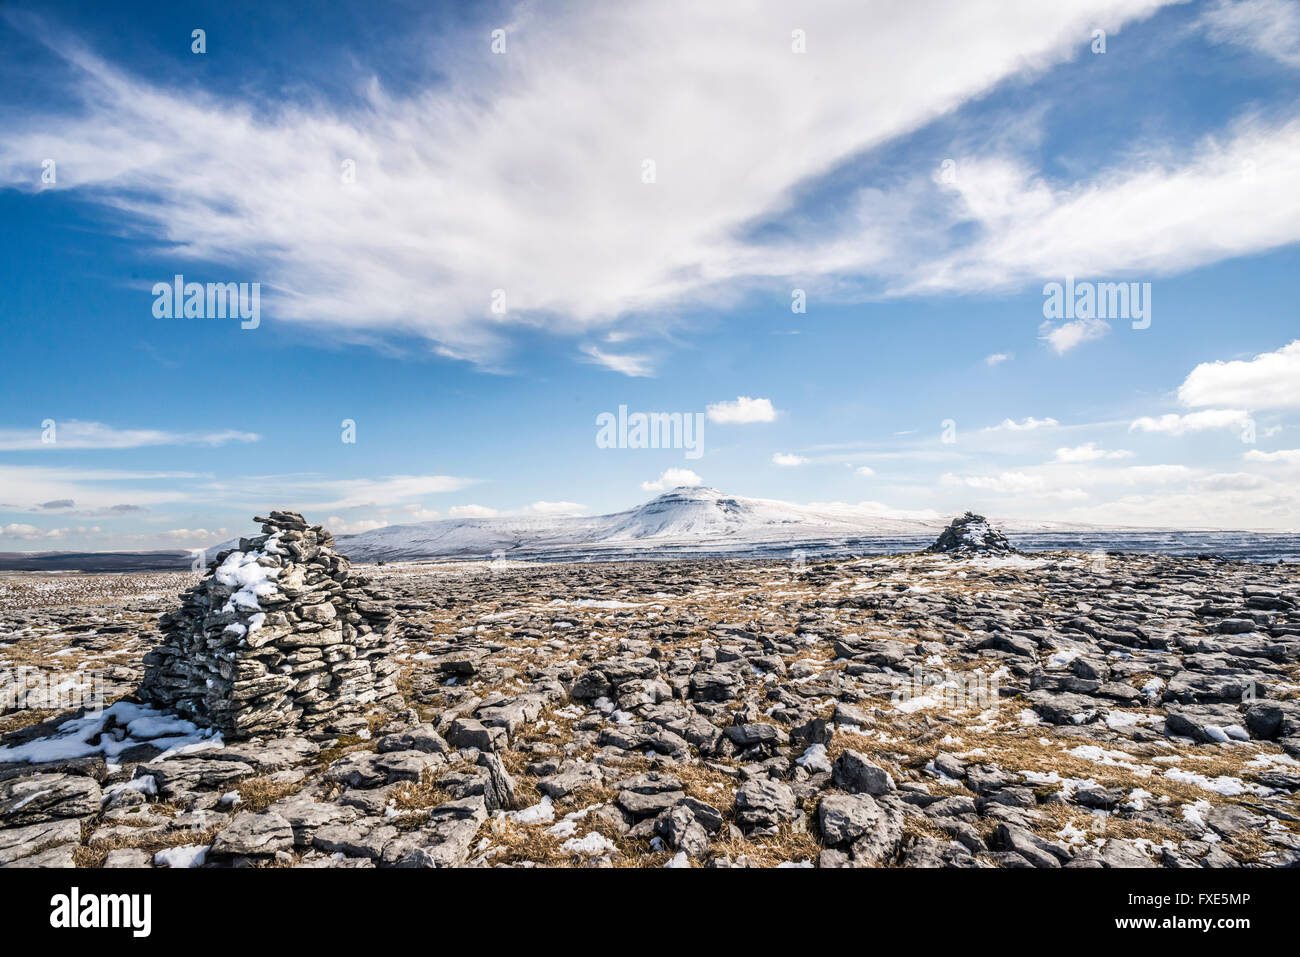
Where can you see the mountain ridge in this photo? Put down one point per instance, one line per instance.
(683, 520)
(687, 521)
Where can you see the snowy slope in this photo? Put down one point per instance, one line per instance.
(680, 521)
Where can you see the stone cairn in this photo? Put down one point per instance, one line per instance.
(972, 535)
(279, 638)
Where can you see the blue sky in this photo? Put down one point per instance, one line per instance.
(919, 172)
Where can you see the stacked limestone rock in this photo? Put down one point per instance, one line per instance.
(280, 638)
(972, 535)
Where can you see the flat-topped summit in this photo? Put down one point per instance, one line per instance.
(972, 534)
(281, 636)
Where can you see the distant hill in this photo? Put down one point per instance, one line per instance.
(685, 521)
(94, 561)
(682, 522)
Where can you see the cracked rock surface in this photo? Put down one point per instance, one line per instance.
(993, 710)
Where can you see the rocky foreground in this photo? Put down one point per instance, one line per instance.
(1059, 710)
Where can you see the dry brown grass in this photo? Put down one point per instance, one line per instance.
(768, 850)
(259, 793)
(515, 844)
(24, 719)
(345, 745)
(94, 855)
(420, 795)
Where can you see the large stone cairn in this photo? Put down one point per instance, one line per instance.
(279, 638)
(972, 534)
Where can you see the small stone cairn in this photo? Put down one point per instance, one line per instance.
(279, 638)
(972, 535)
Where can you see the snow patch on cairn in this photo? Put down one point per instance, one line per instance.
(281, 637)
(972, 535)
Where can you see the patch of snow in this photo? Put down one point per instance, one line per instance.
(191, 855)
(1060, 659)
(1192, 813)
(1223, 784)
(593, 843)
(250, 579)
(133, 724)
(541, 812)
(814, 759)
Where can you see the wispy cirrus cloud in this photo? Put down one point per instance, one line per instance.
(1270, 26)
(35, 489)
(445, 208)
(1165, 210)
(637, 366)
(384, 492)
(75, 434)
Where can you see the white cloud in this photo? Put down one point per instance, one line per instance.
(875, 510)
(1234, 481)
(25, 532)
(418, 513)
(1065, 337)
(75, 434)
(25, 488)
(1270, 26)
(1282, 456)
(339, 527)
(386, 492)
(193, 538)
(629, 365)
(519, 173)
(743, 410)
(1133, 474)
(472, 511)
(1174, 424)
(1195, 505)
(1015, 483)
(782, 458)
(1056, 482)
(998, 358)
(866, 471)
(1268, 381)
(1170, 210)
(1027, 425)
(672, 478)
(557, 508)
(1088, 452)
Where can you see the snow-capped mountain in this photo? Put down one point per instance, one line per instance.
(690, 521)
(686, 520)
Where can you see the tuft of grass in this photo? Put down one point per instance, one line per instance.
(259, 793)
(769, 850)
